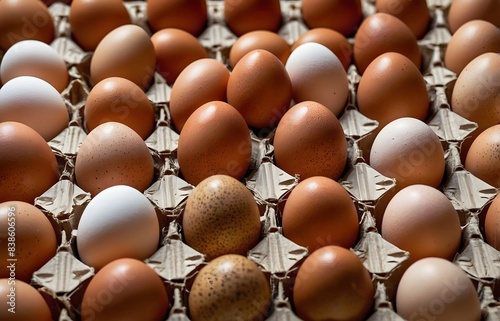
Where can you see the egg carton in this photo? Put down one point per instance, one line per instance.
(64, 278)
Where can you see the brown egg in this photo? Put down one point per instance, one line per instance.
(340, 15)
(188, 15)
(92, 20)
(462, 11)
(125, 52)
(35, 240)
(260, 89)
(250, 15)
(210, 77)
(22, 302)
(21, 20)
(120, 100)
(28, 168)
(436, 289)
(331, 39)
(221, 217)
(125, 289)
(214, 140)
(392, 87)
(483, 157)
(309, 141)
(380, 33)
(175, 49)
(415, 13)
(320, 212)
(113, 154)
(492, 223)
(333, 284)
(230, 287)
(259, 39)
(471, 40)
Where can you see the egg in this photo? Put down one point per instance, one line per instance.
(119, 222)
(415, 14)
(380, 33)
(409, 151)
(125, 52)
(22, 302)
(318, 75)
(391, 88)
(221, 217)
(28, 168)
(436, 289)
(461, 11)
(37, 59)
(333, 284)
(492, 223)
(230, 287)
(120, 100)
(260, 89)
(472, 39)
(175, 49)
(422, 220)
(92, 20)
(214, 140)
(333, 40)
(210, 77)
(259, 39)
(309, 141)
(113, 154)
(125, 289)
(339, 15)
(250, 15)
(190, 15)
(483, 157)
(23, 20)
(320, 212)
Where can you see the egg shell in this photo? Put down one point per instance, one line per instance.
(342, 16)
(119, 222)
(188, 15)
(113, 154)
(28, 167)
(260, 89)
(221, 217)
(250, 15)
(230, 287)
(492, 223)
(415, 14)
(28, 303)
(461, 11)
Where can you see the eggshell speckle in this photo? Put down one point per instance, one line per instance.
(28, 303)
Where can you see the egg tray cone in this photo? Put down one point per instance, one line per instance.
(63, 279)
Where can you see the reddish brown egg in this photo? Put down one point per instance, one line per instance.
(343, 16)
(462, 11)
(22, 302)
(188, 15)
(415, 13)
(250, 15)
(483, 157)
(492, 223)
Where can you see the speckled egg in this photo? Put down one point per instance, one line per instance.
(483, 157)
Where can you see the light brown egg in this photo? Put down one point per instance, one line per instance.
(28, 168)
(250, 15)
(188, 15)
(391, 88)
(22, 20)
(214, 140)
(125, 289)
(221, 217)
(492, 223)
(230, 287)
(333, 40)
(125, 52)
(175, 49)
(462, 11)
(415, 14)
(483, 157)
(333, 284)
(380, 33)
(113, 154)
(210, 77)
(309, 141)
(340, 15)
(22, 304)
(320, 212)
(35, 240)
(471, 40)
(120, 100)
(92, 20)
(260, 89)
(259, 39)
